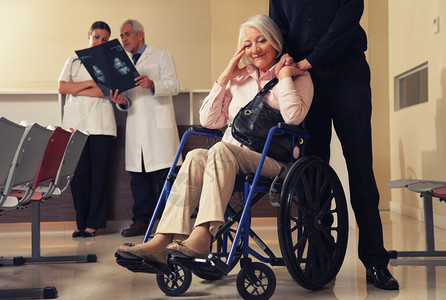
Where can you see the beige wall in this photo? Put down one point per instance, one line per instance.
(39, 35)
(418, 133)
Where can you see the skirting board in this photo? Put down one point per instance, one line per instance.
(417, 213)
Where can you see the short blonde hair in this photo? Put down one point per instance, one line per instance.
(267, 28)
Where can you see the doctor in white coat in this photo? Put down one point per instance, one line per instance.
(151, 132)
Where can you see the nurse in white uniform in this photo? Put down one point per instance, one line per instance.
(87, 109)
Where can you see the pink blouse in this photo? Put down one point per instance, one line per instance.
(292, 97)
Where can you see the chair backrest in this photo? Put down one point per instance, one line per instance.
(71, 157)
(26, 160)
(29, 155)
(10, 136)
(52, 156)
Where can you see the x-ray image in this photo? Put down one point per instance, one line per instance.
(109, 66)
(119, 65)
(99, 74)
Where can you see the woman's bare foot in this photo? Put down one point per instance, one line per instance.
(199, 240)
(158, 243)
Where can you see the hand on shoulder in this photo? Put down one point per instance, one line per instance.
(290, 71)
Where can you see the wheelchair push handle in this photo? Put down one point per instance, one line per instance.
(298, 129)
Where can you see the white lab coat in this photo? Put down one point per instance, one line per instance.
(91, 114)
(151, 130)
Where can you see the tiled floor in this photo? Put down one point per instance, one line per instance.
(105, 279)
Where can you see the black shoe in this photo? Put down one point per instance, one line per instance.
(382, 278)
(88, 234)
(77, 234)
(137, 228)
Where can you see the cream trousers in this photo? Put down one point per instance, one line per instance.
(206, 180)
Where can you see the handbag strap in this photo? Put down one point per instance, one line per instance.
(268, 86)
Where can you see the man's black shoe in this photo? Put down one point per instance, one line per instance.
(382, 278)
(137, 228)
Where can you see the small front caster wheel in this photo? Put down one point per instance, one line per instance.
(175, 283)
(261, 286)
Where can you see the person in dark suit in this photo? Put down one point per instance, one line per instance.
(326, 38)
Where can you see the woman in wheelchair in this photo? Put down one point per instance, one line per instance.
(206, 178)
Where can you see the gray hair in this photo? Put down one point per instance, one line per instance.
(267, 28)
(137, 26)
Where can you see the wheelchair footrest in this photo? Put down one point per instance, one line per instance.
(211, 266)
(140, 265)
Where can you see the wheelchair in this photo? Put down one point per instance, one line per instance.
(312, 225)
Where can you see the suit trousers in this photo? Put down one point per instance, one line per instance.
(146, 187)
(343, 97)
(88, 187)
(206, 181)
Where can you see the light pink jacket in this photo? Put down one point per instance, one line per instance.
(292, 97)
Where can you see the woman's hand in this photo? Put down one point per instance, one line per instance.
(232, 70)
(287, 68)
(116, 97)
(290, 71)
(285, 60)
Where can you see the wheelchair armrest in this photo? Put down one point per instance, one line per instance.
(294, 128)
(207, 130)
(262, 181)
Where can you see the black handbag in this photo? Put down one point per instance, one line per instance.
(253, 122)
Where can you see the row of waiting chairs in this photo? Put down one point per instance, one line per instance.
(35, 164)
(33, 155)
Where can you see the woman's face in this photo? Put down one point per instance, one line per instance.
(259, 51)
(97, 37)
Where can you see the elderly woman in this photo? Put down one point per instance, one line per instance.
(206, 178)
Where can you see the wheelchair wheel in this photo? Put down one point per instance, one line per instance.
(177, 282)
(312, 223)
(260, 287)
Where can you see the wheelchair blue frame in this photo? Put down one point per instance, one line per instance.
(312, 226)
(249, 190)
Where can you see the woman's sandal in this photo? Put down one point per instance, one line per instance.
(133, 251)
(178, 249)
